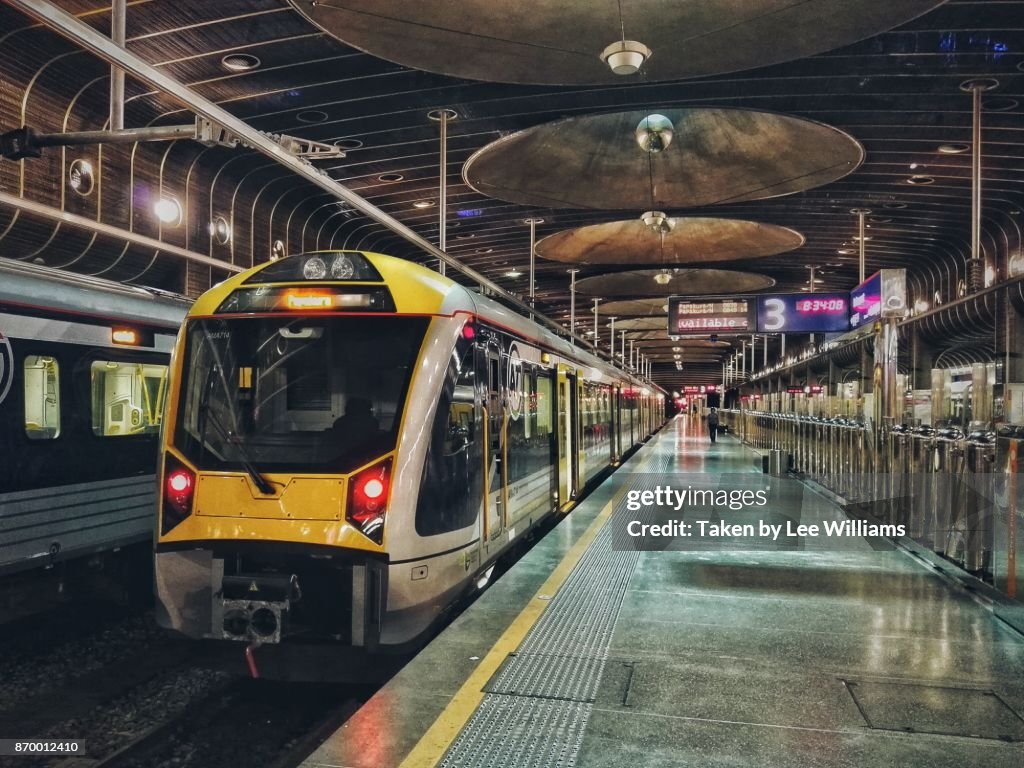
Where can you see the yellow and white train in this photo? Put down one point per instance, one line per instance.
(352, 441)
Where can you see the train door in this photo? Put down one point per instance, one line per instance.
(495, 449)
(580, 405)
(568, 451)
(615, 425)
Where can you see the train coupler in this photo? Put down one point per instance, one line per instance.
(254, 608)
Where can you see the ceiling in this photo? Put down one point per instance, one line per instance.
(896, 93)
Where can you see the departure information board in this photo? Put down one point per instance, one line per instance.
(803, 313)
(687, 316)
(883, 295)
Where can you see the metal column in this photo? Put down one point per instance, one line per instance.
(861, 213)
(572, 305)
(976, 266)
(118, 19)
(442, 116)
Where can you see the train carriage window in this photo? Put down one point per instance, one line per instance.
(544, 401)
(294, 394)
(127, 398)
(451, 489)
(42, 397)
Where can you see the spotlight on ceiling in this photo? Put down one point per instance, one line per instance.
(240, 62)
(168, 210)
(663, 278)
(654, 133)
(658, 221)
(625, 57)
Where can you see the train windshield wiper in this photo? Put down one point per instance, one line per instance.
(208, 417)
(243, 454)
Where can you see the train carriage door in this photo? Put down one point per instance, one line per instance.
(495, 453)
(568, 453)
(615, 425)
(582, 415)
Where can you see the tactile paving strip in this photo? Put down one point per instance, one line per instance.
(571, 678)
(536, 706)
(516, 732)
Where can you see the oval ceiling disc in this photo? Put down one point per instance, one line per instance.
(688, 282)
(692, 240)
(560, 42)
(716, 156)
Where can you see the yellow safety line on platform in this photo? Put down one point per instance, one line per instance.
(435, 742)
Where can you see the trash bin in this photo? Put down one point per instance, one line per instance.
(776, 463)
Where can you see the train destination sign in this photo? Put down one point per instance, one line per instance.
(686, 316)
(803, 313)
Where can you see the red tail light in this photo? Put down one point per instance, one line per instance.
(178, 491)
(368, 500)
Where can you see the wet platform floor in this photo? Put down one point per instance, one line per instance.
(831, 654)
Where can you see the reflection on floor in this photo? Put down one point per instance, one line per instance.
(839, 654)
(818, 654)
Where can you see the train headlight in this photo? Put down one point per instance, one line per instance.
(339, 266)
(367, 500)
(342, 267)
(178, 492)
(314, 268)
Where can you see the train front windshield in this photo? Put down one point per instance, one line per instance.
(287, 394)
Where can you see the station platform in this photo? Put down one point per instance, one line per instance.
(581, 655)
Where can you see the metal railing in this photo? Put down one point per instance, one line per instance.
(936, 483)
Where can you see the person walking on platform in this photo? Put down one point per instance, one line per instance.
(713, 424)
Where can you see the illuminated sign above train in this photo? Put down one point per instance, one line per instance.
(689, 317)
(803, 313)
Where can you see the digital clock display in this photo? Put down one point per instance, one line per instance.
(803, 313)
(815, 306)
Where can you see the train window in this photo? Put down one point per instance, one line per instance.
(544, 401)
(452, 483)
(127, 398)
(529, 441)
(42, 397)
(289, 394)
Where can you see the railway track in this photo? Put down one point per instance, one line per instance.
(257, 723)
